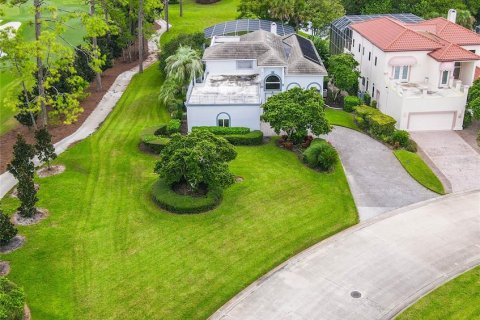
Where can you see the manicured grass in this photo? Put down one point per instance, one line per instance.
(341, 118)
(108, 252)
(74, 33)
(457, 299)
(419, 170)
(197, 17)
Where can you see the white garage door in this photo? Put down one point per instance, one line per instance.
(431, 121)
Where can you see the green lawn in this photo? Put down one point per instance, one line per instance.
(197, 17)
(419, 170)
(457, 299)
(341, 118)
(107, 252)
(74, 33)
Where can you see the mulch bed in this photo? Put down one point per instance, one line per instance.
(4, 268)
(61, 131)
(52, 171)
(183, 189)
(13, 245)
(24, 221)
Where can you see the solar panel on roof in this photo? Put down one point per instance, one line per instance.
(308, 50)
(245, 25)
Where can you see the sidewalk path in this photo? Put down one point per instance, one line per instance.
(104, 107)
(377, 180)
(391, 261)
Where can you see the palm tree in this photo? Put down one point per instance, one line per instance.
(184, 65)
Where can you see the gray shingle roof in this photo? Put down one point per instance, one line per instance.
(269, 50)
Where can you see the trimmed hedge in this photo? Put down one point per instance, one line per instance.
(238, 136)
(321, 155)
(169, 200)
(12, 300)
(376, 123)
(173, 126)
(350, 102)
(221, 131)
(152, 141)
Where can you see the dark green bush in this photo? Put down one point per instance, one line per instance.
(367, 99)
(321, 155)
(350, 102)
(153, 139)
(400, 138)
(376, 123)
(252, 138)
(7, 229)
(467, 118)
(223, 130)
(374, 104)
(411, 146)
(167, 199)
(12, 300)
(173, 126)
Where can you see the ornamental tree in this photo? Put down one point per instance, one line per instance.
(343, 73)
(22, 168)
(197, 159)
(43, 146)
(295, 112)
(7, 229)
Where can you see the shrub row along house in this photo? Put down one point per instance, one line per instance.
(418, 71)
(241, 72)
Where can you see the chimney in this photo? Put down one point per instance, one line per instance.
(452, 15)
(273, 28)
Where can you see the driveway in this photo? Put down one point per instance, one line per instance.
(377, 180)
(371, 271)
(453, 157)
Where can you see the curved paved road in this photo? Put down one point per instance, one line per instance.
(391, 261)
(377, 180)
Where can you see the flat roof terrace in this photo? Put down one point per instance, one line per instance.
(226, 89)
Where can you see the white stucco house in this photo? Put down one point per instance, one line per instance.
(241, 72)
(419, 73)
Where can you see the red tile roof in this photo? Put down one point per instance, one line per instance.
(452, 32)
(453, 52)
(391, 35)
(438, 35)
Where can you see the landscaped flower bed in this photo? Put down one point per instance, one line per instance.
(154, 139)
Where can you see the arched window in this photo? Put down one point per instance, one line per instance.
(223, 120)
(293, 85)
(315, 85)
(272, 82)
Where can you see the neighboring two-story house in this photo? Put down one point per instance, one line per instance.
(419, 72)
(241, 72)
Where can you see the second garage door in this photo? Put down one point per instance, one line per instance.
(431, 121)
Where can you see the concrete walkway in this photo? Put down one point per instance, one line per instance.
(371, 271)
(377, 180)
(453, 156)
(103, 109)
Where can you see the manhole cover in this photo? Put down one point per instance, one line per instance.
(355, 294)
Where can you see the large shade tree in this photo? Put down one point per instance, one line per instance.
(342, 69)
(296, 112)
(198, 159)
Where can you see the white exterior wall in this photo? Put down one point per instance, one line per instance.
(304, 82)
(228, 67)
(397, 105)
(240, 115)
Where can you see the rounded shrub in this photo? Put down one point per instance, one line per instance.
(169, 200)
(12, 300)
(321, 155)
(400, 138)
(350, 102)
(152, 141)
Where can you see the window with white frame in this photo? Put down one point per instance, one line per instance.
(401, 73)
(223, 120)
(444, 77)
(272, 82)
(244, 64)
